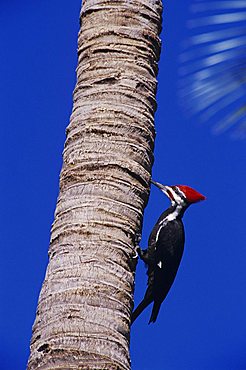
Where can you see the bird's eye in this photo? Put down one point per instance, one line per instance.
(170, 194)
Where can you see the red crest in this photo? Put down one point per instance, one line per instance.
(191, 195)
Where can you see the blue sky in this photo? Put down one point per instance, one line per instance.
(202, 323)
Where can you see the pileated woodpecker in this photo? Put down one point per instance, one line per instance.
(165, 247)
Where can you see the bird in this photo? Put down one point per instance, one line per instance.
(165, 247)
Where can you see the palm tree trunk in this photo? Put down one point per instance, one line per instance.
(84, 308)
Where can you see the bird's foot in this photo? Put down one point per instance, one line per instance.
(137, 250)
(137, 240)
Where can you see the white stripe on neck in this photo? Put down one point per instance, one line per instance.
(172, 216)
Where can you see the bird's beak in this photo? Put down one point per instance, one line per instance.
(163, 188)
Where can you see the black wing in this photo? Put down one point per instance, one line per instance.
(163, 269)
(163, 257)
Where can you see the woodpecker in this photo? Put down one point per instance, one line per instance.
(165, 247)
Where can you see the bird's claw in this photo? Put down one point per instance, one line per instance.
(136, 250)
(138, 237)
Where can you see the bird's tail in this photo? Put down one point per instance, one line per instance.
(142, 305)
(155, 311)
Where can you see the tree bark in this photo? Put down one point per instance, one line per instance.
(84, 308)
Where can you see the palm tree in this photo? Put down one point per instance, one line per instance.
(84, 308)
(213, 82)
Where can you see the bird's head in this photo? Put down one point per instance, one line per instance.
(180, 194)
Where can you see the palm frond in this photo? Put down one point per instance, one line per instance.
(212, 69)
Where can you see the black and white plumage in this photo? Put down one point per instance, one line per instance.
(165, 247)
